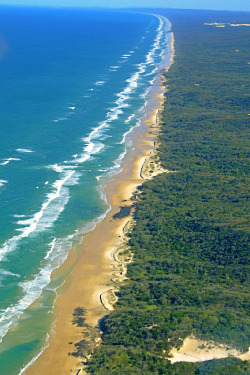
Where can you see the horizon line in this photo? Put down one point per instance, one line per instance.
(116, 8)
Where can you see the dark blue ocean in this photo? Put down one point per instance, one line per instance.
(73, 85)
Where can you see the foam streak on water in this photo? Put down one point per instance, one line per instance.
(2, 182)
(124, 95)
(6, 161)
(45, 217)
(32, 288)
(24, 150)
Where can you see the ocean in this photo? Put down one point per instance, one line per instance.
(73, 87)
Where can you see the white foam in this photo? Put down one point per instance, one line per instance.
(150, 60)
(99, 83)
(71, 108)
(36, 357)
(129, 118)
(123, 96)
(32, 288)
(126, 134)
(133, 83)
(155, 70)
(2, 182)
(110, 172)
(6, 161)
(60, 119)
(8, 273)
(57, 168)
(47, 215)
(52, 245)
(90, 149)
(24, 150)
(117, 164)
(145, 93)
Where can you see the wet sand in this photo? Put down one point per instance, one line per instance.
(95, 263)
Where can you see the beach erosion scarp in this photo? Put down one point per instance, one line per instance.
(98, 267)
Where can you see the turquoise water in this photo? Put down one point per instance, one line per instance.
(73, 85)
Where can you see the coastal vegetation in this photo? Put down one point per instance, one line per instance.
(190, 270)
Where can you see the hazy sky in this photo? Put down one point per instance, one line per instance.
(188, 4)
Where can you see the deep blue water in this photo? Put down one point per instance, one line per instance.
(73, 83)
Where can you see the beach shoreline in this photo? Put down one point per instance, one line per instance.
(98, 266)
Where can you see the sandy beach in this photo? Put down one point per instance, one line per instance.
(95, 266)
(194, 350)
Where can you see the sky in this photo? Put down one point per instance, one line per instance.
(242, 5)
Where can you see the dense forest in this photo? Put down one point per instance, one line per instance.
(190, 272)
